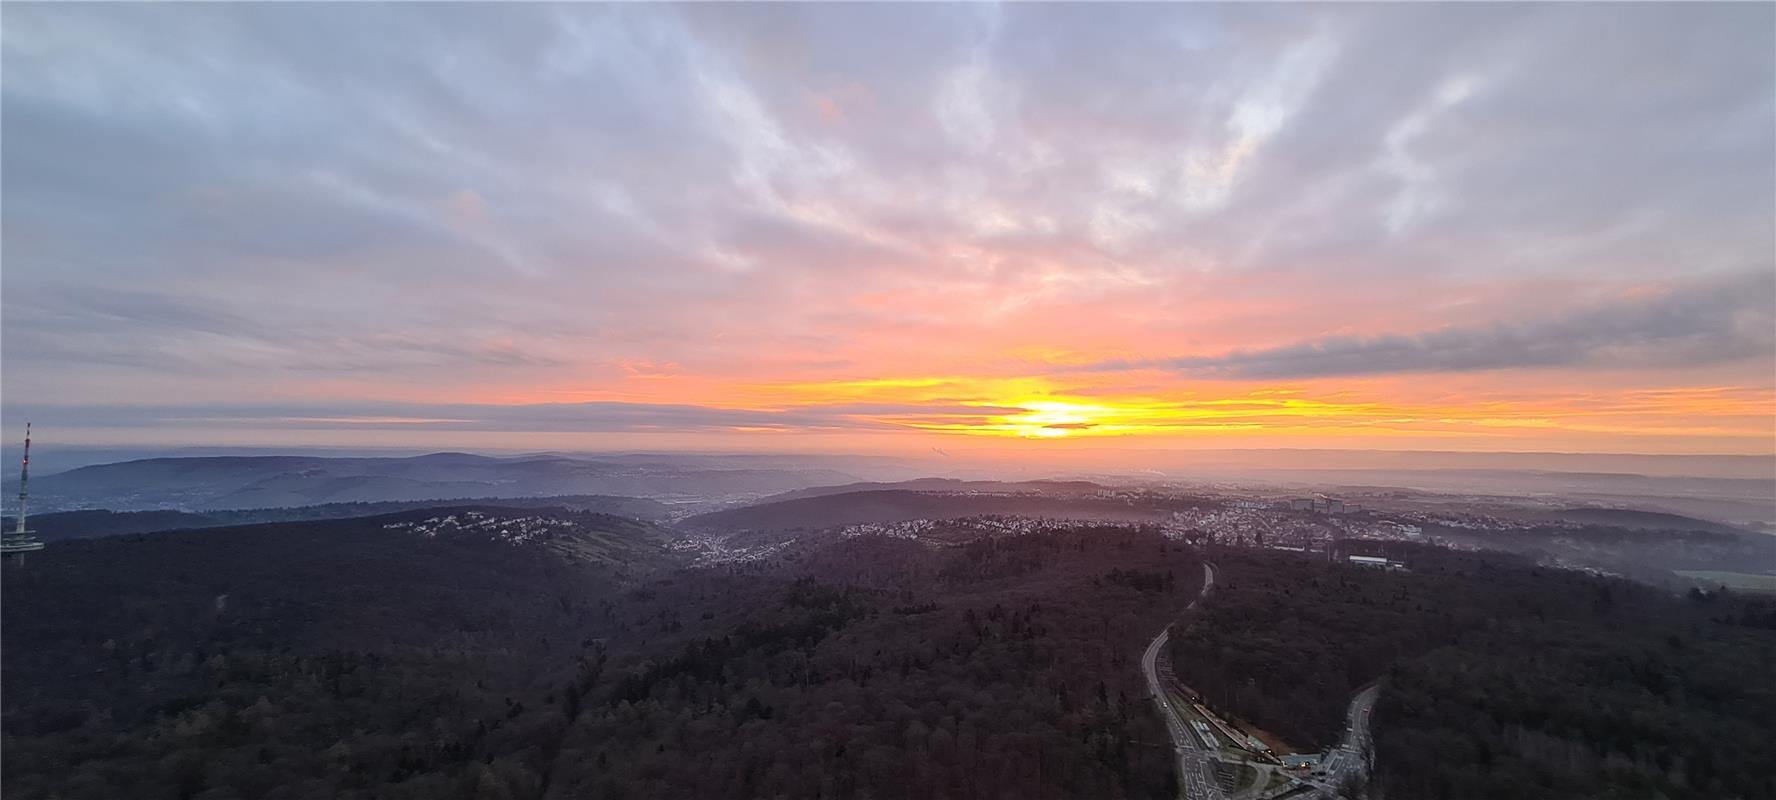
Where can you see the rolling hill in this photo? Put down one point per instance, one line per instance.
(250, 482)
(953, 485)
(894, 505)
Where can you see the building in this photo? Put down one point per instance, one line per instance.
(1335, 506)
(1301, 504)
(1375, 561)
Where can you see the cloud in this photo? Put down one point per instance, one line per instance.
(589, 417)
(263, 203)
(1715, 322)
(170, 333)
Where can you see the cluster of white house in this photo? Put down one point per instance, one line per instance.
(1323, 505)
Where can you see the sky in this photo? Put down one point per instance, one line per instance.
(875, 228)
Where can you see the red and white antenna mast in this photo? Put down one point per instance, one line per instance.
(19, 541)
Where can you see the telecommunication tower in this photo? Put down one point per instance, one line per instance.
(19, 541)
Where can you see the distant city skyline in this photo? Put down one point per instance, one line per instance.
(1034, 230)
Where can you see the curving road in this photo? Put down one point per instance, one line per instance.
(1196, 767)
(1196, 758)
(1346, 761)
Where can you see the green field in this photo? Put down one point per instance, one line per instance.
(1737, 581)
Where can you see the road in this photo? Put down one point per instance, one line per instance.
(1196, 767)
(1196, 759)
(1346, 760)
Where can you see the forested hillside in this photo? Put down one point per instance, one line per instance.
(403, 656)
(505, 653)
(1503, 679)
(879, 667)
(319, 659)
(254, 482)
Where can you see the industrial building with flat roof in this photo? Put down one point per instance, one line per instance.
(1375, 561)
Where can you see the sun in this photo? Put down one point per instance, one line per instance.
(1055, 419)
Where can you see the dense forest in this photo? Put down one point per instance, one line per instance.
(349, 658)
(880, 667)
(554, 653)
(297, 659)
(1502, 679)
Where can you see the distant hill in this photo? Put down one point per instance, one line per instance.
(251, 482)
(944, 485)
(1641, 520)
(892, 505)
(60, 525)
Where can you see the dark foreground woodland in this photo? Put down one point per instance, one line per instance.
(344, 659)
(1502, 679)
(551, 653)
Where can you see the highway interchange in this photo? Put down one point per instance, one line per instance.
(1198, 753)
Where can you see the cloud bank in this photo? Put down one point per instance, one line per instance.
(1723, 321)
